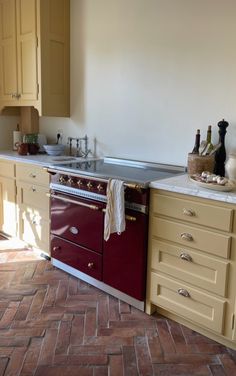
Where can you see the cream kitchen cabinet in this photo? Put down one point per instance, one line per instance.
(8, 218)
(33, 205)
(34, 59)
(191, 275)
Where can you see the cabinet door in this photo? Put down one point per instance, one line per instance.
(8, 206)
(124, 257)
(34, 230)
(26, 11)
(8, 58)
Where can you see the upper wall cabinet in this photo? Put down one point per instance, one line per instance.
(34, 55)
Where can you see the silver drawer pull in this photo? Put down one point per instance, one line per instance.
(33, 189)
(32, 175)
(90, 265)
(189, 212)
(184, 293)
(186, 236)
(186, 257)
(74, 230)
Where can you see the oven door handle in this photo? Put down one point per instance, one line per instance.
(89, 206)
(127, 217)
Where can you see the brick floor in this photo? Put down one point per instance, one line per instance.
(52, 324)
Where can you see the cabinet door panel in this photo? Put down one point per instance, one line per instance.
(193, 212)
(197, 306)
(27, 49)
(209, 273)
(34, 230)
(8, 59)
(8, 207)
(207, 241)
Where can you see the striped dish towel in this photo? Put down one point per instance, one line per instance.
(115, 209)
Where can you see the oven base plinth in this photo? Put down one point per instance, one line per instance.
(102, 286)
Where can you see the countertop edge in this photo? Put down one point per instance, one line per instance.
(182, 184)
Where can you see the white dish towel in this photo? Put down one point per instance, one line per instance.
(115, 209)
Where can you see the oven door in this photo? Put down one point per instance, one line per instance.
(77, 220)
(124, 257)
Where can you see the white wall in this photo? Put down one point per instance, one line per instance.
(145, 74)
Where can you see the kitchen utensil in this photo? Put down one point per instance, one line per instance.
(202, 147)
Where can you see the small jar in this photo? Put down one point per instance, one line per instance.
(230, 167)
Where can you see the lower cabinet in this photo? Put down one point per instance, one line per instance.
(191, 274)
(33, 206)
(8, 218)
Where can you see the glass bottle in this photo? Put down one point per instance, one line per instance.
(197, 143)
(209, 144)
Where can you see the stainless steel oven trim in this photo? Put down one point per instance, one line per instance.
(94, 176)
(95, 196)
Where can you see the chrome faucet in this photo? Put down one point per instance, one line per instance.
(80, 151)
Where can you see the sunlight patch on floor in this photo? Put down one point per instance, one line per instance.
(15, 250)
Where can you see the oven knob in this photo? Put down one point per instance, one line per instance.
(80, 183)
(62, 179)
(89, 185)
(100, 188)
(71, 180)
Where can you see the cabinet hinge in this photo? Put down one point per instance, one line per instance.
(37, 42)
(38, 88)
(233, 321)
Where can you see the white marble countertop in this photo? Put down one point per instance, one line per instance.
(182, 184)
(39, 159)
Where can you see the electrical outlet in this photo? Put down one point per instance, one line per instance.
(60, 132)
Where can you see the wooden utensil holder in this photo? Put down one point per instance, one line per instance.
(199, 163)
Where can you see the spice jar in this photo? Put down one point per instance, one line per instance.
(230, 167)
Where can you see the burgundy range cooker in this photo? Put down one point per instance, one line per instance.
(78, 202)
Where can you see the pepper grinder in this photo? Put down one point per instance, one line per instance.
(220, 154)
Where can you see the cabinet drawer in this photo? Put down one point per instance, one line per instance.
(33, 197)
(206, 215)
(32, 174)
(35, 231)
(209, 273)
(199, 307)
(204, 240)
(82, 259)
(7, 169)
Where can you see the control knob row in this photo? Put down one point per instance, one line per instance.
(80, 183)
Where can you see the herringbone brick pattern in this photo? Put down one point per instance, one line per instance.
(54, 324)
